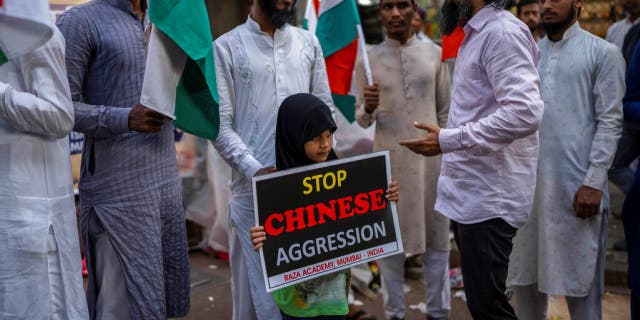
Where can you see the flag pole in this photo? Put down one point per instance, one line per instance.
(362, 44)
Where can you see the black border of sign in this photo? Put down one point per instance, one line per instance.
(394, 213)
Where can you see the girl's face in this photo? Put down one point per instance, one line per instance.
(318, 148)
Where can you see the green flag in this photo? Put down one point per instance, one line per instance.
(186, 24)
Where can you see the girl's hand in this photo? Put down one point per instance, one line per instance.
(257, 237)
(393, 193)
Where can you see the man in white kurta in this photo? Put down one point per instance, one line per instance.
(618, 30)
(255, 72)
(413, 85)
(561, 250)
(40, 267)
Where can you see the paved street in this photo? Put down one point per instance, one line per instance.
(211, 296)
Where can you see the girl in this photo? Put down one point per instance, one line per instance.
(304, 135)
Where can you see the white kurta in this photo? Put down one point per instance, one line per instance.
(255, 73)
(582, 85)
(414, 86)
(36, 194)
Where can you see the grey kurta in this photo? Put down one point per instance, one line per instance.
(414, 86)
(582, 85)
(134, 188)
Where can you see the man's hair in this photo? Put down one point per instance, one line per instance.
(500, 4)
(380, 2)
(523, 3)
(422, 14)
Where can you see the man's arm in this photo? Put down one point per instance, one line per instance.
(511, 71)
(229, 144)
(367, 97)
(45, 107)
(443, 94)
(95, 121)
(608, 91)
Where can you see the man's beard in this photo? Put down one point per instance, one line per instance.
(556, 27)
(277, 17)
(454, 13)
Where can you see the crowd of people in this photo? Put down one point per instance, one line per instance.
(512, 150)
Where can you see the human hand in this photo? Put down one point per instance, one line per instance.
(265, 170)
(427, 145)
(143, 119)
(258, 236)
(586, 202)
(393, 192)
(371, 97)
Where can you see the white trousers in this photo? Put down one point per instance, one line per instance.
(531, 304)
(250, 298)
(112, 298)
(56, 287)
(435, 265)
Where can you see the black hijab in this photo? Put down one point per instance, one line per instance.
(301, 118)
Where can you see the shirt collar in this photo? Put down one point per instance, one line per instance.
(124, 5)
(571, 32)
(480, 19)
(253, 26)
(396, 43)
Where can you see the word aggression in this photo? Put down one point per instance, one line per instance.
(331, 242)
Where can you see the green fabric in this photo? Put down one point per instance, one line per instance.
(337, 27)
(323, 296)
(186, 22)
(3, 58)
(194, 112)
(346, 104)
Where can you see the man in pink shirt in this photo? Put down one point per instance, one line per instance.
(490, 147)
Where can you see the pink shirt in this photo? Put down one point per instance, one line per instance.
(491, 143)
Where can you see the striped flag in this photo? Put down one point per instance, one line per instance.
(179, 79)
(24, 25)
(336, 25)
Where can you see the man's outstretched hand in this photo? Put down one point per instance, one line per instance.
(427, 145)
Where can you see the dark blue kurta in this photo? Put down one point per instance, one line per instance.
(130, 180)
(631, 206)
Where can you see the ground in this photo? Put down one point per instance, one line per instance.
(211, 296)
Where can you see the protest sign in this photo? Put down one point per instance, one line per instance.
(324, 218)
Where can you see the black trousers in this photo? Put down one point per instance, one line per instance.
(484, 252)
(635, 305)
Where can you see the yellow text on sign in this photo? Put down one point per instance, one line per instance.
(325, 181)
